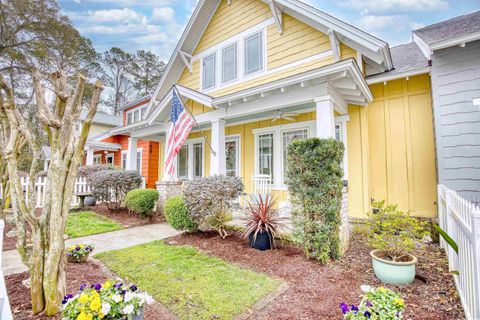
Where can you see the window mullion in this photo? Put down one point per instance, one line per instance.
(277, 156)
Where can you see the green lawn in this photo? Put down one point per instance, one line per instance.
(84, 223)
(191, 284)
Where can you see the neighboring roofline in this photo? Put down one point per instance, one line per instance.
(455, 41)
(135, 102)
(387, 76)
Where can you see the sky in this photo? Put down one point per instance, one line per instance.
(156, 25)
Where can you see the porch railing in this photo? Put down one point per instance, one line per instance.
(461, 220)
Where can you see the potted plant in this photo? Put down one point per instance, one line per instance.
(376, 303)
(394, 234)
(112, 300)
(79, 252)
(262, 223)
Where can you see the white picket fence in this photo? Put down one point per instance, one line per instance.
(81, 186)
(461, 220)
(5, 310)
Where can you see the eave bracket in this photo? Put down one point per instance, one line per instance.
(187, 59)
(335, 44)
(277, 16)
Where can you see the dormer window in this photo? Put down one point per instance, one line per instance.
(254, 53)
(209, 71)
(229, 63)
(135, 115)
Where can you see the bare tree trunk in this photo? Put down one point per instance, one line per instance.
(46, 260)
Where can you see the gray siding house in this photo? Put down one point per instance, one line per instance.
(453, 48)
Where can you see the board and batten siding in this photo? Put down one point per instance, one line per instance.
(455, 83)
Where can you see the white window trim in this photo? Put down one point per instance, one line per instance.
(124, 156)
(110, 155)
(237, 60)
(277, 132)
(98, 158)
(342, 120)
(217, 72)
(264, 45)
(131, 111)
(237, 138)
(189, 143)
(141, 159)
(218, 51)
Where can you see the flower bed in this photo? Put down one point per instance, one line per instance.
(79, 252)
(111, 300)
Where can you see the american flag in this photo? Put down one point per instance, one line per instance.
(181, 126)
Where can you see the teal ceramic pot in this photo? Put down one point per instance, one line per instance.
(393, 272)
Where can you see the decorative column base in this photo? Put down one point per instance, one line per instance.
(344, 222)
(166, 190)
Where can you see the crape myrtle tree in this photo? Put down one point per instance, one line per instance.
(59, 120)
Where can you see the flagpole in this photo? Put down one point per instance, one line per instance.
(193, 117)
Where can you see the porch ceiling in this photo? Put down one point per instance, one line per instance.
(106, 146)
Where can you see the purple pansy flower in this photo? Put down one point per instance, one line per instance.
(353, 307)
(97, 286)
(344, 308)
(66, 298)
(369, 303)
(367, 314)
(83, 286)
(118, 285)
(68, 254)
(133, 288)
(77, 248)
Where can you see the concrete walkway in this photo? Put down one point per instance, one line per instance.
(11, 262)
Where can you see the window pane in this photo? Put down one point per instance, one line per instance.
(142, 112)
(265, 154)
(229, 63)
(129, 118)
(182, 163)
(124, 160)
(289, 137)
(139, 161)
(338, 132)
(209, 72)
(136, 115)
(197, 160)
(254, 53)
(231, 157)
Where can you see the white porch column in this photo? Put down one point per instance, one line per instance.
(217, 161)
(325, 119)
(90, 157)
(132, 154)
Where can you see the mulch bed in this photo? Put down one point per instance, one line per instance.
(316, 291)
(89, 272)
(127, 219)
(8, 242)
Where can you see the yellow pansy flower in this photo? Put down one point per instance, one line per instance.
(95, 304)
(399, 302)
(107, 285)
(82, 316)
(83, 298)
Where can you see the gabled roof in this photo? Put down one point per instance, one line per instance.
(138, 101)
(103, 118)
(374, 50)
(450, 29)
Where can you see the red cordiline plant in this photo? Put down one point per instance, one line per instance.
(263, 217)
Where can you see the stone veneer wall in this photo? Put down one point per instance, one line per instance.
(167, 189)
(344, 221)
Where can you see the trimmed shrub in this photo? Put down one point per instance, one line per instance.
(176, 213)
(209, 200)
(315, 185)
(89, 170)
(111, 186)
(142, 201)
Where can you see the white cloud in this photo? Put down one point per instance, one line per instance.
(114, 15)
(395, 6)
(163, 14)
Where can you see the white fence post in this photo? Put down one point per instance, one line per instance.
(5, 311)
(476, 262)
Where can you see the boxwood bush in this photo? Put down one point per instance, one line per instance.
(176, 213)
(315, 185)
(141, 201)
(111, 186)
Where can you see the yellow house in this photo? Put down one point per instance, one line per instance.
(258, 74)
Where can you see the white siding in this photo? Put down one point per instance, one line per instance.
(455, 83)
